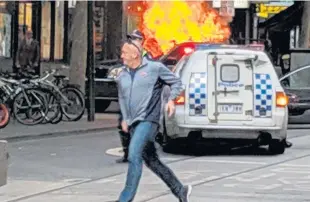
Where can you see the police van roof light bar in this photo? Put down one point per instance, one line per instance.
(259, 47)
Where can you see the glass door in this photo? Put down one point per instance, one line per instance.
(24, 19)
(5, 31)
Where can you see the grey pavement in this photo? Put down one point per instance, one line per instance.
(103, 121)
(16, 130)
(78, 168)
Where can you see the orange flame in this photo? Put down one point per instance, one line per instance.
(166, 23)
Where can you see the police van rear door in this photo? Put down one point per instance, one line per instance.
(230, 84)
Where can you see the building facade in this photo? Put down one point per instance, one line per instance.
(51, 23)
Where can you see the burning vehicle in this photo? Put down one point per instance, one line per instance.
(171, 29)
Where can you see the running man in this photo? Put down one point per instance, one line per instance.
(140, 85)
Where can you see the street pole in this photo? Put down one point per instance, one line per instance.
(255, 24)
(124, 20)
(15, 33)
(247, 26)
(90, 62)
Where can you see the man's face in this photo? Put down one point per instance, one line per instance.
(29, 35)
(127, 54)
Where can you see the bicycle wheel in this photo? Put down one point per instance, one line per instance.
(73, 103)
(4, 116)
(58, 118)
(54, 108)
(30, 107)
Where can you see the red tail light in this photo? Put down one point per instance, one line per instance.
(180, 100)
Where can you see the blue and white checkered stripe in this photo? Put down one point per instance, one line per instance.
(263, 96)
(198, 94)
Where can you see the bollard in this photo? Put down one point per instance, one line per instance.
(4, 162)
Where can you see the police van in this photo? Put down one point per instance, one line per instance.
(230, 92)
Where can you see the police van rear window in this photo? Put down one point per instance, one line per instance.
(180, 66)
(230, 73)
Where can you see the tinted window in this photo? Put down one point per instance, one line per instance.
(175, 55)
(181, 64)
(299, 79)
(230, 73)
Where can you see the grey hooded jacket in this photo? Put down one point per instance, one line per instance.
(139, 91)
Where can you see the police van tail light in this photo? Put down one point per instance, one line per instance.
(281, 99)
(180, 100)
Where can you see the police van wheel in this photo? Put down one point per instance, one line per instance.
(276, 147)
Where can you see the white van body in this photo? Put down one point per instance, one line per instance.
(230, 93)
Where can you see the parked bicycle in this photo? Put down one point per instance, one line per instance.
(27, 105)
(41, 100)
(70, 97)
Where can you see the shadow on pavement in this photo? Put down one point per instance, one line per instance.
(110, 112)
(204, 148)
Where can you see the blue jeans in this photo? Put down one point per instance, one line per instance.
(142, 147)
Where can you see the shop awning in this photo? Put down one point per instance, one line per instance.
(284, 20)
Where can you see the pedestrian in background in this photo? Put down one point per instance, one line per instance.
(140, 110)
(28, 54)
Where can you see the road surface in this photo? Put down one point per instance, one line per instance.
(82, 168)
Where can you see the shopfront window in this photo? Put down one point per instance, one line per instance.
(24, 19)
(46, 30)
(59, 30)
(5, 31)
(25, 15)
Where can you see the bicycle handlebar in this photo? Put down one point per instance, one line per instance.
(65, 67)
(11, 81)
(46, 76)
(5, 76)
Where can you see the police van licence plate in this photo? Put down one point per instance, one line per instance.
(230, 108)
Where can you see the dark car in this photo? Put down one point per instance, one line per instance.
(105, 86)
(297, 86)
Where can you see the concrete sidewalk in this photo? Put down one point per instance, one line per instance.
(238, 177)
(16, 130)
(224, 178)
